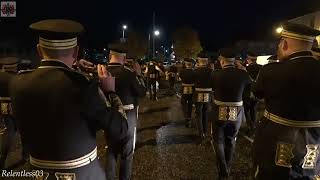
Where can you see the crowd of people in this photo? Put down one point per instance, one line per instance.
(59, 106)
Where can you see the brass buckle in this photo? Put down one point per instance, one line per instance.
(65, 176)
(284, 154)
(6, 108)
(203, 97)
(228, 113)
(310, 159)
(187, 90)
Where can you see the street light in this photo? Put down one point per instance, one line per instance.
(279, 30)
(124, 27)
(156, 32)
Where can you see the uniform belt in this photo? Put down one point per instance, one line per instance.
(128, 107)
(187, 85)
(289, 122)
(221, 103)
(5, 99)
(70, 164)
(203, 89)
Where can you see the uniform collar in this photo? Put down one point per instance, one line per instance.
(299, 54)
(203, 66)
(229, 66)
(53, 63)
(114, 64)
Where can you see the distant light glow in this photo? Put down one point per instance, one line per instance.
(166, 51)
(279, 30)
(157, 32)
(124, 26)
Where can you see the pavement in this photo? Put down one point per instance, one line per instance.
(166, 149)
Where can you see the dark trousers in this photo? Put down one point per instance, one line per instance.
(202, 117)
(171, 82)
(186, 102)
(153, 89)
(7, 140)
(125, 150)
(251, 113)
(225, 135)
(92, 171)
(281, 151)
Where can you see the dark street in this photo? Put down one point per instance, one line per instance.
(166, 149)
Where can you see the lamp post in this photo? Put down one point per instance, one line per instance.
(124, 27)
(156, 33)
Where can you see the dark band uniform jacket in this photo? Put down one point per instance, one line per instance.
(253, 68)
(229, 84)
(203, 78)
(187, 88)
(153, 72)
(288, 137)
(139, 78)
(9, 69)
(128, 85)
(59, 110)
(7, 124)
(129, 88)
(186, 75)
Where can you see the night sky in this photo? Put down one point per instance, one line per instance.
(219, 23)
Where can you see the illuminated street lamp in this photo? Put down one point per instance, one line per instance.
(124, 27)
(156, 32)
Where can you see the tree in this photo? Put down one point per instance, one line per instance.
(136, 45)
(186, 43)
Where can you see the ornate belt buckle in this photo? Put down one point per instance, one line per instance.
(4, 108)
(310, 159)
(206, 97)
(227, 113)
(200, 97)
(187, 90)
(42, 176)
(65, 176)
(223, 112)
(233, 113)
(284, 154)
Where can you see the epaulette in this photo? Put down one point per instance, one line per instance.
(128, 68)
(25, 71)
